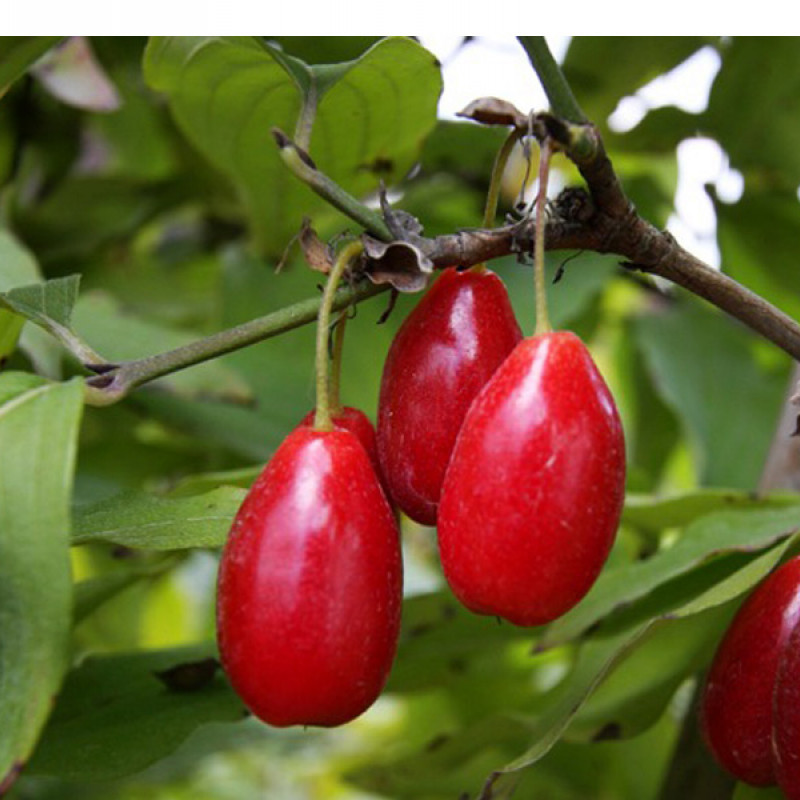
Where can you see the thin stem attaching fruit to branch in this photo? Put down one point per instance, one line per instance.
(334, 384)
(118, 381)
(301, 165)
(562, 101)
(542, 317)
(322, 416)
(496, 182)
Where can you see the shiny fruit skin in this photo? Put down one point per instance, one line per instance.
(357, 422)
(310, 585)
(443, 354)
(533, 495)
(786, 710)
(737, 702)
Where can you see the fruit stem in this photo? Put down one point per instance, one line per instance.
(334, 394)
(322, 415)
(498, 170)
(496, 182)
(540, 291)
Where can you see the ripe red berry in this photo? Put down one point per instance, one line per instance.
(786, 710)
(532, 498)
(443, 354)
(737, 705)
(357, 422)
(310, 585)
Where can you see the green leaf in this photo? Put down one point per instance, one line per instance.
(763, 216)
(233, 427)
(583, 277)
(206, 481)
(603, 69)
(718, 533)
(439, 637)
(115, 716)
(599, 656)
(657, 513)
(745, 792)
(18, 267)
(637, 691)
(739, 582)
(228, 93)
(651, 429)
(38, 439)
(595, 660)
(48, 304)
(113, 210)
(704, 367)
(765, 138)
(18, 53)
(160, 523)
(661, 131)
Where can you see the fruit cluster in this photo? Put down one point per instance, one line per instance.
(750, 711)
(511, 446)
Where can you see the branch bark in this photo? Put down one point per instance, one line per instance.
(601, 218)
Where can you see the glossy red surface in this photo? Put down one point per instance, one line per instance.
(357, 422)
(736, 711)
(443, 354)
(310, 585)
(786, 710)
(532, 498)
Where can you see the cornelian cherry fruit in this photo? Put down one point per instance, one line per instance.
(357, 422)
(443, 354)
(786, 710)
(310, 584)
(533, 494)
(742, 708)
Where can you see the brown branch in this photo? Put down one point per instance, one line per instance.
(601, 218)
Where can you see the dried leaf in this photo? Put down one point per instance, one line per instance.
(401, 224)
(316, 254)
(494, 111)
(401, 264)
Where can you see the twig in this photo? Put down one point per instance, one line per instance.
(117, 382)
(562, 101)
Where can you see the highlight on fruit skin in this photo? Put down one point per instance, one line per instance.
(309, 591)
(442, 355)
(744, 712)
(533, 494)
(357, 422)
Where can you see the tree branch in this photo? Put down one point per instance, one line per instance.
(558, 91)
(119, 380)
(599, 218)
(602, 219)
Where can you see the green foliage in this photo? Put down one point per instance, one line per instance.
(128, 233)
(38, 433)
(18, 53)
(368, 117)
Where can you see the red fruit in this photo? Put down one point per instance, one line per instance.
(532, 498)
(737, 703)
(357, 422)
(443, 354)
(310, 585)
(786, 710)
